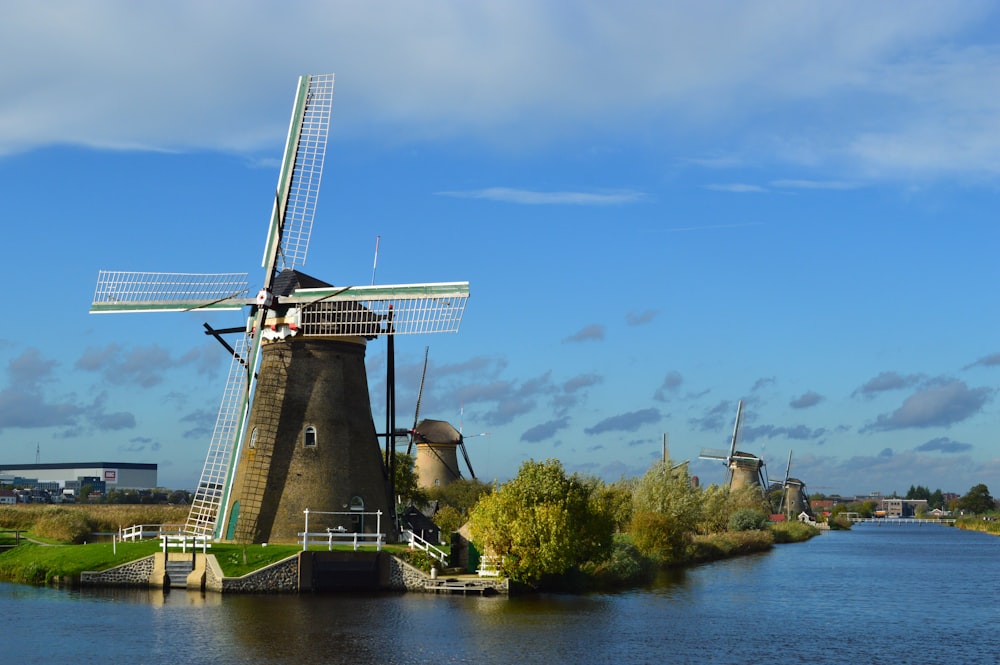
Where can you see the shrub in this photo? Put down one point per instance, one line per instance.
(623, 567)
(793, 532)
(747, 519)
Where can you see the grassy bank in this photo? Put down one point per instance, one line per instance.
(989, 524)
(46, 564)
(64, 525)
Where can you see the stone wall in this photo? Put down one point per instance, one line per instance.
(404, 577)
(134, 573)
(279, 577)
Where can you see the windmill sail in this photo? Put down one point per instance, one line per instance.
(209, 493)
(289, 230)
(120, 291)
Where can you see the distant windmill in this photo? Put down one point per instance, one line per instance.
(794, 500)
(743, 469)
(437, 443)
(295, 427)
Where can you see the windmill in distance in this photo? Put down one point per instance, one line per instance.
(743, 469)
(295, 428)
(437, 443)
(794, 500)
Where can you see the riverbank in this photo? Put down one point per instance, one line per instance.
(65, 563)
(986, 524)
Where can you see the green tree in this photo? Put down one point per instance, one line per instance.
(978, 500)
(449, 520)
(937, 499)
(714, 510)
(747, 519)
(461, 494)
(666, 513)
(617, 499)
(407, 489)
(541, 523)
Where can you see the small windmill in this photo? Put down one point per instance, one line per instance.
(295, 427)
(793, 494)
(742, 469)
(437, 443)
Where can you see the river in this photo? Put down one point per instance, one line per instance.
(877, 594)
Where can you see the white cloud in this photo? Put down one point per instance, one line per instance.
(899, 93)
(528, 197)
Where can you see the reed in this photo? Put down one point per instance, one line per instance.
(78, 523)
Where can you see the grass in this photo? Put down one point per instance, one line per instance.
(986, 524)
(792, 531)
(77, 523)
(33, 563)
(40, 564)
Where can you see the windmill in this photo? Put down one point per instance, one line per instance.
(437, 443)
(742, 469)
(295, 428)
(794, 500)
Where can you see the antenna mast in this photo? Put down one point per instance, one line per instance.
(375, 262)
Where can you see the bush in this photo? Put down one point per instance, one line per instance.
(725, 545)
(793, 532)
(624, 567)
(747, 519)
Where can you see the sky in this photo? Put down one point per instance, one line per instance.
(662, 208)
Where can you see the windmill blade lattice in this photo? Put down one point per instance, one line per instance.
(120, 291)
(301, 174)
(208, 495)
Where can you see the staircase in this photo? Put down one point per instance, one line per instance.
(177, 572)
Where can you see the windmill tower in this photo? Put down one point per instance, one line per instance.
(794, 500)
(743, 469)
(295, 428)
(437, 443)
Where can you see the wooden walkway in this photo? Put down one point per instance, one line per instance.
(463, 586)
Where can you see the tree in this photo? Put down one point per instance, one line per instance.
(978, 500)
(461, 494)
(448, 519)
(617, 499)
(666, 513)
(405, 477)
(541, 523)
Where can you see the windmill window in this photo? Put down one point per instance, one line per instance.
(253, 438)
(358, 518)
(310, 437)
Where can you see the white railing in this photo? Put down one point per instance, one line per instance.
(185, 543)
(340, 534)
(144, 531)
(416, 542)
(900, 520)
(489, 566)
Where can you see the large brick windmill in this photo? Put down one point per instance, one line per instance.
(295, 427)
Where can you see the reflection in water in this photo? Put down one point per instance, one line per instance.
(859, 597)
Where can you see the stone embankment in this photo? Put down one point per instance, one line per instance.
(292, 575)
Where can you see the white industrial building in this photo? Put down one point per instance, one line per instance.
(115, 475)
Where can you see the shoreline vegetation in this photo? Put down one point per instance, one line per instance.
(543, 529)
(550, 531)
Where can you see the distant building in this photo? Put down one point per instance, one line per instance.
(113, 475)
(902, 507)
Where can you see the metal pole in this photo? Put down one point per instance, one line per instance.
(305, 535)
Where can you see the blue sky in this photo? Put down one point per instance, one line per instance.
(661, 208)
